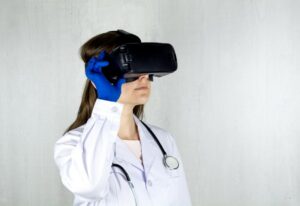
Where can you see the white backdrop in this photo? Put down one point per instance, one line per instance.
(233, 104)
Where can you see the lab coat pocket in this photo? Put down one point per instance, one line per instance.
(172, 176)
(173, 173)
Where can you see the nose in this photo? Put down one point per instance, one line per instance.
(146, 76)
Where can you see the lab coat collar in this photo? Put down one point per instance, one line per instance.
(150, 149)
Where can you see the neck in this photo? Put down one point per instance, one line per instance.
(128, 129)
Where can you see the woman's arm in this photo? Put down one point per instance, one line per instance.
(84, 158)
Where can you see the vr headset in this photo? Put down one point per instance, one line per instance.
(134, 58)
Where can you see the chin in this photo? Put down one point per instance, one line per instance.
(139, 101)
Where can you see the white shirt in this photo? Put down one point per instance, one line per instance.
(135, 147)
(84, 157)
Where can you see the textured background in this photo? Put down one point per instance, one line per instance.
(233, 104)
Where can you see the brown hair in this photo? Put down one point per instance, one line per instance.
(105, 41)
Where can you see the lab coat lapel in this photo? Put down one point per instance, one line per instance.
(149, 148)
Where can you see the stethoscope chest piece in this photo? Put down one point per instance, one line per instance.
(170, 162)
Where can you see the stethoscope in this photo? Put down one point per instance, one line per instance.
(169, 162)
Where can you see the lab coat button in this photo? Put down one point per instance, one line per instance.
(150, 183)
(114, 109)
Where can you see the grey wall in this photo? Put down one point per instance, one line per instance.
(233, 104)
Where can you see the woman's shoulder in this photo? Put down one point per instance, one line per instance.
(156, 128)
(76, 131)
(72, 135)
(163, 135)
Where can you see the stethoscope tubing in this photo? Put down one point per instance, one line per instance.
(155, 138)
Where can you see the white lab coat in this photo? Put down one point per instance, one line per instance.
(84, 157)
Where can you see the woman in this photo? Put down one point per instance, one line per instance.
(109, 130)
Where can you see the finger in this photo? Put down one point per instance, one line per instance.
(102, 63)
(90, 65)
(120, 82)
(101, 55)
(99, 65)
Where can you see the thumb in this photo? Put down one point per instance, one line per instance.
(120, 82)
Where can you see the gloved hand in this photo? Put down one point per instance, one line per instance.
(105, 89)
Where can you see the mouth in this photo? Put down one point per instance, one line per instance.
(141, 88)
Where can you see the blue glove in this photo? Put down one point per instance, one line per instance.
(105, 89)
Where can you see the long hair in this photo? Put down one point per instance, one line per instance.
(105, 41)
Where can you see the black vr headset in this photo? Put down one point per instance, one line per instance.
(134, 58)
